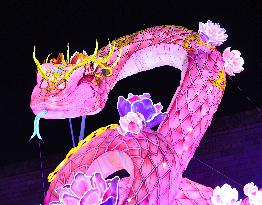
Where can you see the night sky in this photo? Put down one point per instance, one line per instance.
(50, 26)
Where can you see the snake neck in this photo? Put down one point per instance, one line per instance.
(201, 88)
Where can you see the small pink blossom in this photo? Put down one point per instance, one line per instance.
(131, 123)
(225, 196)
(254, 195)
(250, 189)
(211, 33)
(233, 61)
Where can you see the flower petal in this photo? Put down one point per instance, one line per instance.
(204, 37)
(133, 117)
(123, 106)
(109, 201)
(201, 27)
(90, 197)
(133, 127)
(81, 184)
(64, 190)
(124, 122)
(236, 53)
(145, 107)
(145, 95)
(233, 61)
(227, 54)
(112, 190)
(99, 182)
(157, 120)
(212, 33)
(130, 95)
(134, 98)
(225, 195)
(70, 200)
(158, 107)
(250, 189)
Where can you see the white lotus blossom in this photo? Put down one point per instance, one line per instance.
(225, 195)
(211, 33)
(254, 195)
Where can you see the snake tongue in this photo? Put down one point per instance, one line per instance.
(36, 125)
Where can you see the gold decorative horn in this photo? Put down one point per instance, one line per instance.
(67, 75)
(111, 51)
(67, 53)
(100, 62)
(38, 65)
(116, 61)
(47, 58)
(96, 49)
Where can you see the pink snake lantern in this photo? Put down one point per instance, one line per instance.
(154, 160)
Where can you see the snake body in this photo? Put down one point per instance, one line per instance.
(82, 85)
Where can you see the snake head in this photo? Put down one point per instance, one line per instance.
(73, 87)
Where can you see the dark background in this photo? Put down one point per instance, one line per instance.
(51, 25)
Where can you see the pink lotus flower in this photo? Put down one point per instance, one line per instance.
(86, 190)
(254, 195)
(142, 113)
(131, 123)
(225, 196)
(233, 62)
(211, 33)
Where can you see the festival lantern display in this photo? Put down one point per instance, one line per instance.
(153, 161)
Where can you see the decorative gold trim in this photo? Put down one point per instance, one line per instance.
(39, 68)
(93, 58)
(100, 62)
(83, 142)
(67, 54)
(221, 81)
(180, 27)
(195, 36)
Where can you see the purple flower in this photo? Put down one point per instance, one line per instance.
(211, 33)
(138, 110)
(86, 190)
